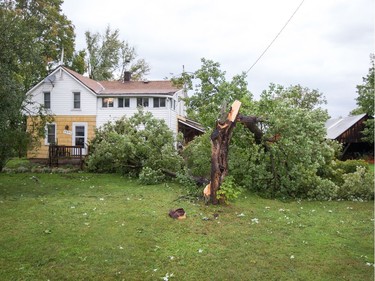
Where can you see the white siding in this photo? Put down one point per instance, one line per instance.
(62, 95)
(62, 102)
(114, 113)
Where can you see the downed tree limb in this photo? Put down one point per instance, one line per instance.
(200, 181)
(250, 122)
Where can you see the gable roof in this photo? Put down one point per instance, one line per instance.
(106, 88)
(93, 85)
(337, 126)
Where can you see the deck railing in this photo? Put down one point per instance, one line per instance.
(59, 152)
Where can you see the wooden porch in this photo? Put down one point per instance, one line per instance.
(65, 154)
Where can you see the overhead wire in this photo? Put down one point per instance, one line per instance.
(277, 35)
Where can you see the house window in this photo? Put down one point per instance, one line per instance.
(123, 102)
(159, 102)
(173, 104)
(107, 102)
(142, 102)
(47, 100)
(51, 134)
(77, 100)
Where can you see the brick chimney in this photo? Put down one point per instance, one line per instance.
(127, 76)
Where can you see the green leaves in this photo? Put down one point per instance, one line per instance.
(107, 54)
(130, 145)
(213, 92)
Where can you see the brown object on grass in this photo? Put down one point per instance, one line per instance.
(178, 214)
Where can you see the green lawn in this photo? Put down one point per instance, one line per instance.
(104, 227)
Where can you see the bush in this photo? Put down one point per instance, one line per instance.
(337, 169)
(128, 145)
(228, 190)
(357, 185)
(189, 184)
(197, 155)
(149, 176)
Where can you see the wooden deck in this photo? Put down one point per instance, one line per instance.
(59, 153)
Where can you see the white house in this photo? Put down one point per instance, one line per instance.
(80, 104)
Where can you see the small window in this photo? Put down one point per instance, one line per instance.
(107, 102)
(173, 104)
(123, 102)
(51, 134)
(159, 102)
(47, 100)
(77, 100)
(142, 102)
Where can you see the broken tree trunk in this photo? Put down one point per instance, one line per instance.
(220, 139)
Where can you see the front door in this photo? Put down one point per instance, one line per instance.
(80, 136)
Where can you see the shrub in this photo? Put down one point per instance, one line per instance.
(149, 176)
(357, 185)
(197, 155)
(228, 190)
(184, 179)
(128, 145)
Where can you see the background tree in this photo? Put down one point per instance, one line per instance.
(108, 57)
(78, 62)
(365, 100)
(213, 93)
(31, 35)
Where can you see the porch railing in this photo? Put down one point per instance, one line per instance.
(59, 152)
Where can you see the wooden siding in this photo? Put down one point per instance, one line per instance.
(354, 133)
(61, 137)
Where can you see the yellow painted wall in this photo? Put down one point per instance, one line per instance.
(62, 138)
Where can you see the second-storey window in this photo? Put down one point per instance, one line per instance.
(123, 102)
(142, 102)
(47, 100)
(77, 100)
(159, 102)
(107, 102)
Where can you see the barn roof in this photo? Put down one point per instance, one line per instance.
(336, 126)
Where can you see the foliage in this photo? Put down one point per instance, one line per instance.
(214, 94)
(335, 170)
(228, 190)
(357, 185)
(149, 176)
(293, 156)
(78, 63)
(32, 34)
(197, 155)
(189, 185)
(129, 145)
(365, 101)
(107, 54)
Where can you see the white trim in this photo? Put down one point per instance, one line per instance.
(85, 125)
(46, 133)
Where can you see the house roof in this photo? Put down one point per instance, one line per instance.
(336, 126)
(138, 87)
(89, 83)
(106, 88)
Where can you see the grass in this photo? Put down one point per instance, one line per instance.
(104, 227)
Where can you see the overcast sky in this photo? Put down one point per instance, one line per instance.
(325, 46)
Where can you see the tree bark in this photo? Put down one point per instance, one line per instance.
(220, 140)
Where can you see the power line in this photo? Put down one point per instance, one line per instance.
(274, 39)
